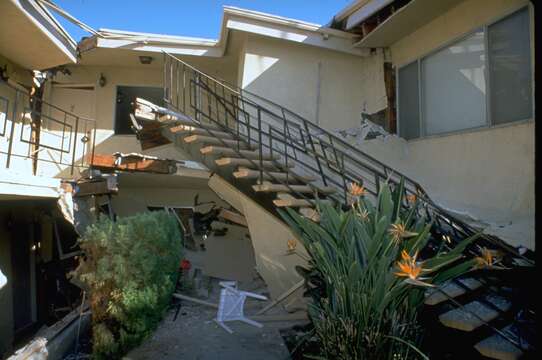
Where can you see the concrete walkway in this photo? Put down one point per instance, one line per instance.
(195, 336)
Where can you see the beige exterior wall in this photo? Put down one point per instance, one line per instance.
(487, 173)
(293, 74)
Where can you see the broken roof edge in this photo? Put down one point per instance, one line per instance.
(233, 18)
(47, 24)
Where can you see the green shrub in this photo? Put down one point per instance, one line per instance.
(131, 267)
(371, 281)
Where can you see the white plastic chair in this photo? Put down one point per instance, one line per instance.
(230, 307)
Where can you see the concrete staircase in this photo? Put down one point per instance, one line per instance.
(266, 157)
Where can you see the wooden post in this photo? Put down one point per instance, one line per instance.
(391, 113)
(36, 97)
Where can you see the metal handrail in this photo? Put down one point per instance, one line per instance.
(68, 127)
(349, 163)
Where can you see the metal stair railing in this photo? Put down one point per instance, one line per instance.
(275, 128)
(270, 127)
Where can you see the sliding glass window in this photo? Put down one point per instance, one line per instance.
(483, 79)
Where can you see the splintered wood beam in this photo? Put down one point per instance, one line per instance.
(108, 163)
(233, 217)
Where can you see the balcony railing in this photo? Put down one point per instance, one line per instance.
(40, 138)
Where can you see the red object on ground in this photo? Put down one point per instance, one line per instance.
(185, 264)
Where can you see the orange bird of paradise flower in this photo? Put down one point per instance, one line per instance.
(399, 231)
(409, 268)
(357, 190)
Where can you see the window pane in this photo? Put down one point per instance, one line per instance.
(454, 88)
(409, 112)
(510, 68)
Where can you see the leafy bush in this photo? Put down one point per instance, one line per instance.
(371, 283)
(131, 267)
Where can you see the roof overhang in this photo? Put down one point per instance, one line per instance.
(403, 22)
(237, 19)
(32, 38)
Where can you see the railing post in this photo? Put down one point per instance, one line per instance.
(311, 141)
(74, 144)
(12, 130)
(166, 97)
(260, 143)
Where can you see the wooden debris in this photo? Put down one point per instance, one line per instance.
(132, 163)
(233, 217)
(281, 297)
(197, 301)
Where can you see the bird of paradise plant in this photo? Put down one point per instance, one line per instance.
(372, 274)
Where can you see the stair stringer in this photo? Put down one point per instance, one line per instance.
(269, 238)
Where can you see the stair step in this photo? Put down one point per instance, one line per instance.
(287, 200)
(452, 289)
(209, 140)
(226, 151)
(244, 173)
(232, 161)
(176, 121)
(185, 122)
(463, 318)
(191, 130)
(497, 347)
(270, 187)
(310, 213)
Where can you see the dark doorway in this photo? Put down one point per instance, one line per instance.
(126, 96)
(22, 267)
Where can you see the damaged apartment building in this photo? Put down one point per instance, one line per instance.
(271, 115)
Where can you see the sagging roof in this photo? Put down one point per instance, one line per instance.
(237, 19)
(31, 37)
(380, 23)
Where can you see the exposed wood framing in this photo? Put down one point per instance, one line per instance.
(94, 188)
(391, 111)
(132, 163)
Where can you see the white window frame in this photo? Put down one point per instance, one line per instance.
(489, 122)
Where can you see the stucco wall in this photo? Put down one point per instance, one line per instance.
(293, 74)
(488, 173)
(132, 200)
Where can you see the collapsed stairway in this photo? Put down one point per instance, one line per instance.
(279, 159)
